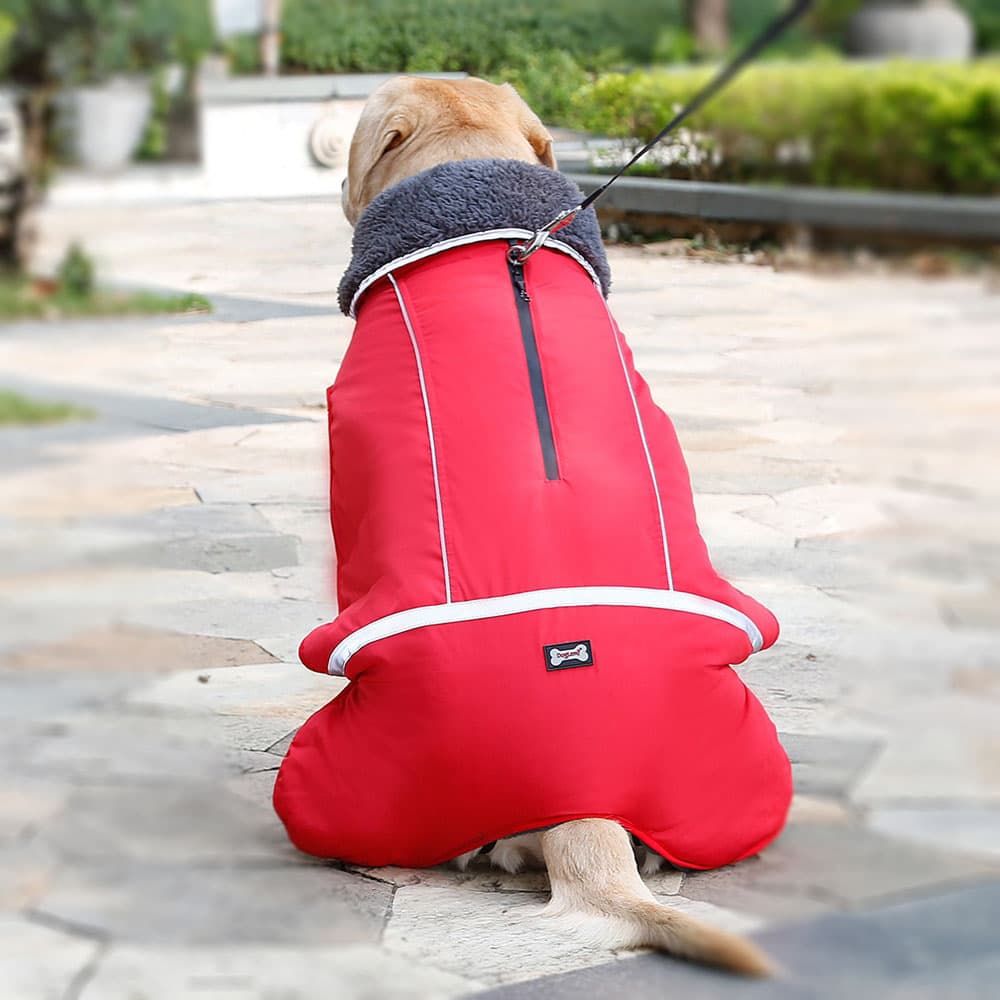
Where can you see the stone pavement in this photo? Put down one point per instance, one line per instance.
(161, 563)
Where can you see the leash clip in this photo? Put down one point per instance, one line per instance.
(520, 252)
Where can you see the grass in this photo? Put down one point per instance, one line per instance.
(19, 411)
(25, 298)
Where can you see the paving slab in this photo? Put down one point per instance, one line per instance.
(95, 590)
(947, 826)
(235, 450)
(26, 804)
(479, 877)
(137, 651)
(158, 904)
(117, 747)
(238, 617)
(799, 684)
(492, 937)
(28, 869)
(938, 946)
(120, 413)
(308, 485)
(837, 865)
(254, 706)
(284, 646)
(31, 697)
(211, 538)
(817, 809)
(88, 499)
(158, 541)
(449, 927)
(789, 560)
(349, 972)
(825, 765)
(189, 823)
(39, 962)
(926, 760)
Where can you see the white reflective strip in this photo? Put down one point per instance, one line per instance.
(461, 241)
(645, 447)
(539, 600)
(430, 437)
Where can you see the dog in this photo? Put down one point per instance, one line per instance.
(429, 156)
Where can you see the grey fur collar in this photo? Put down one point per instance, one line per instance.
(464, 197)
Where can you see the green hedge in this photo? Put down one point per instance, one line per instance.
(474, 36)
(899, 125)
(484, 36)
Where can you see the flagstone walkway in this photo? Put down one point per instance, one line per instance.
(160, 563)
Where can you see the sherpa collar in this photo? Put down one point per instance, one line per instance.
(459, 199)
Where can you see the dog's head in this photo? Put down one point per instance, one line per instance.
(410, 124)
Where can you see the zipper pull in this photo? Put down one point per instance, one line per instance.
(517, 276)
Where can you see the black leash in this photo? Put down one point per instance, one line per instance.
(520, 253)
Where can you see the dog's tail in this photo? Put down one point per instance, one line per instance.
(597, 889)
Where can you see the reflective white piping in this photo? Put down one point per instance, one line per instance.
(645, 447)
(539, 600)
(461, 241)
(430, 437)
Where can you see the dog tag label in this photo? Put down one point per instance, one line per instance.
(563, 655)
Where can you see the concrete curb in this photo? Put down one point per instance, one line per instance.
(876, 211)
(307, 87)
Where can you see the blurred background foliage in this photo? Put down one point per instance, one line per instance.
(84, 41)
(804, 115)
(893, 125)
(614, 67)
(482, 36)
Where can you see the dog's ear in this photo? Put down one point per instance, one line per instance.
(541, 143)
(392, 132)
(534, 131)
(374, 137)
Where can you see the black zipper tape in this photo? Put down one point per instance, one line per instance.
(542, 416)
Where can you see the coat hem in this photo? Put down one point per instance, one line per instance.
(547, 822)
(538, 600)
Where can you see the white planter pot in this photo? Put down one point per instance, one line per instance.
(109, 120)
(934, 29)
(237, 17)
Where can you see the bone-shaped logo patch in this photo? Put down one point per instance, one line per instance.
(562, 655)
(580, 652)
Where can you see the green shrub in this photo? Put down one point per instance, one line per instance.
(475, 36)
(17, 410)
(76, 273)
(897, 125)
(154, 137)
(244, 54)
(8, 27)
(986, 18)
(548, 83)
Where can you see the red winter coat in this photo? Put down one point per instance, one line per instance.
(529, 619)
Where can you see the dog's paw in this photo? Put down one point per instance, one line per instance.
(520, 853)
(649, 862)
(464, 860)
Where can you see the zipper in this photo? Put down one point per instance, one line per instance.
(523, 301)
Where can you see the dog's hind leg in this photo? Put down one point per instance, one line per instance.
(597, 891)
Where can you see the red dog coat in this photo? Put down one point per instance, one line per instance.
(529, 619)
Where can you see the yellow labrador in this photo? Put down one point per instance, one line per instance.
(410, 125)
